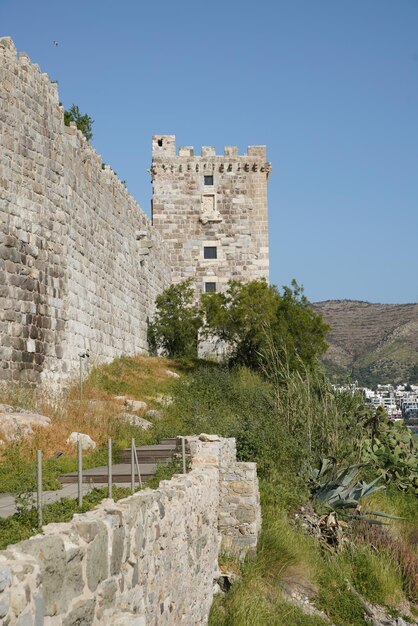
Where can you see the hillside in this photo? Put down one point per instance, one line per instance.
(374, 342)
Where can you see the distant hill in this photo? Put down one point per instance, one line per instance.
(372, 342)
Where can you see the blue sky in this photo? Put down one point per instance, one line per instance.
(330, 86)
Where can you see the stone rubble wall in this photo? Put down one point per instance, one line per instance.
(239, 516)
(147, 560)
(80, 264)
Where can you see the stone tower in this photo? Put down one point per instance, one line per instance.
(211, 210)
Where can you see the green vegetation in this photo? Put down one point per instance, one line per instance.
(392, 451)
(25, 523)
(251, 317)
(176, 322)
(340, 490)
(22, 484)
(274, 398)
(136, 377)
(82, 121)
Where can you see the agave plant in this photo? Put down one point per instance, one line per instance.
(340, 490)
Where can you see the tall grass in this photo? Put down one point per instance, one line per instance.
(324, 421)
(284, 424)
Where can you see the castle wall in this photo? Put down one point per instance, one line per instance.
(212, 201)
(80, 265)
(151, 558)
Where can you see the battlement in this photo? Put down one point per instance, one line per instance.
(165, 146)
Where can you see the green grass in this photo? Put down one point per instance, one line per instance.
(253, 603)
(286, 558)
(341, 606)
(25, 524)
(375, 575)
(22, 526)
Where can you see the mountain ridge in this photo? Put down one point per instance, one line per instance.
(372, 342)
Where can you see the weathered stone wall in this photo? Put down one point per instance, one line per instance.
(80, 265)
(149, 559)
(239, 515)
(211, 201)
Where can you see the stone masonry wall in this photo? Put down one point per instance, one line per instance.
(210, 200)
(147, 560)
(80, 265)
(239, 515)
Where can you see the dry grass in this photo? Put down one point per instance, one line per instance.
(141, 378)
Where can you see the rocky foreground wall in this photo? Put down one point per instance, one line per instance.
(80, 265)
(150, 559)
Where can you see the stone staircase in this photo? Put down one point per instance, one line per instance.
(149, 457)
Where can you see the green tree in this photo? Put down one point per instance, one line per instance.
(299, 328)
(240, 315)
(249, 316)
(177, 321)
(83, 122)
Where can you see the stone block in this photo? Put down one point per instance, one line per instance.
(97, 560)
(81, 614)
(50, 554)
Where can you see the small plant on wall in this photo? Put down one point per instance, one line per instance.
(82, 121)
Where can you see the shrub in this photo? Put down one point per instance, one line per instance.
(176, 322)
(246, 315)
(83, 122)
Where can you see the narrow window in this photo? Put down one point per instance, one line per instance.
(210, 252)
(208, 180)
(210, 287)
(160, 143)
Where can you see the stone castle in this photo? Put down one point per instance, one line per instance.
(80, 262)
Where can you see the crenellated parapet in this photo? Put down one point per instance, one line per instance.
(165, 157)
(212, 166)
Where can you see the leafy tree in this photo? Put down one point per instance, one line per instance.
(249, 316)
(83, 122)
(177, 321)
(302, 331)
(240, 316)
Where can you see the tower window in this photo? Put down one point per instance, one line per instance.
(208, 180)
(160, 142)
(210, 287)
(210, 252)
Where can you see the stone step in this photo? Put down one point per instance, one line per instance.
(121, 473)
(148, 459)
(148, 456)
